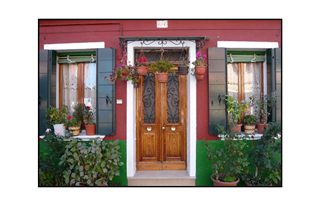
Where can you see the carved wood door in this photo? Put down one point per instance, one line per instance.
(161, 123)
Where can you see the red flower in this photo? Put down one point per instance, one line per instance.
(88, 107)
(69, 117)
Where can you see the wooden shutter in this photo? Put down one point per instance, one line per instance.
(274, 81)
(106, 116)
(217, 58)
(47, 85)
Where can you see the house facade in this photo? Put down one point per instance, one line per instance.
(160, 125)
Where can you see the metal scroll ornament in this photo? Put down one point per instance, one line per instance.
(173, 98)
(149, 98)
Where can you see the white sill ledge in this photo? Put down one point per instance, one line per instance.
(256, 136)
(82, 136)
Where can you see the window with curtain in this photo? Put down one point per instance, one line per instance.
(245, 81)
(78, 85)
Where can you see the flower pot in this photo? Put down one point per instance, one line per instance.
(220, 183)
(90, 129)
(253, 185)
(249, 128)
(260, 127)
(59, 129)
(183, 70)
(142, 71)
(200, 70)
(236, 128)
(74, 130)
(162, 77)
(199, 77)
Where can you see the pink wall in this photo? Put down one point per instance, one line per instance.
(76, 31)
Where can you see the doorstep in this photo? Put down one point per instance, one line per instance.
(162, 178)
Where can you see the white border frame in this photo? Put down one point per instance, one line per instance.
(251, 45)
(192, 110)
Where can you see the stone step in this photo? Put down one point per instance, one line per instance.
(161, 178)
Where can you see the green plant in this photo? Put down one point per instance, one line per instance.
(79, 112)
(162, 66)
(57, 115)
(263, 104)
(229, 159)
(249, 119)
(88, 116)
(72, 121)
(91, 165)
(50, 172)
(234, 109)
(263, 155)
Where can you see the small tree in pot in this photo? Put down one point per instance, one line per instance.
(228, 161)
(263, 157)
(88, 120)
(263, 104)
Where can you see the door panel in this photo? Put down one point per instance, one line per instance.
(161, 125)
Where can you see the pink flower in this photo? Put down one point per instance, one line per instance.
(58, 132)
(48, 130)
(69, 117)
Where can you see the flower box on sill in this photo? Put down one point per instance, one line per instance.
(256, 136)
(82, 136)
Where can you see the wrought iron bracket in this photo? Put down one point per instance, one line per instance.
(176, 40)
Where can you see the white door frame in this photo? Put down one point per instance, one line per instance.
(192, 109)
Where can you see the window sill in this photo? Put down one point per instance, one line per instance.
(82, 136)
(256, 136)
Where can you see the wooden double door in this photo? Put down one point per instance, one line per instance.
(161, 123)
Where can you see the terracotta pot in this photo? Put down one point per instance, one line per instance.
(252, 185)
(249, 129)
(260, 127)
(124, 75)
(162, 77)
(198, 76)
(74, 130)
(236, 128)
(200, 70)
(220, 183)
(183, 70)
(142, 71)
(90, 129)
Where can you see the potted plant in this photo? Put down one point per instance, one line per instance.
(228, 161)
(249, 123)
(91, 165)
(263, 157)
(79, 111)
(88, 120)
(57, 117)
(73, 125)
(141, 64)
(162, 69)
(263, 104)
(183, 68)
(123, 72)
(235, 110)
(200, 66)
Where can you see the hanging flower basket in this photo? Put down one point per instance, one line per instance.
(162, 77)
(183, 70)
(200, 66)
(142, 70)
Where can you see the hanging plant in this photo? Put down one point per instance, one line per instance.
(200, 66)
(123, 72)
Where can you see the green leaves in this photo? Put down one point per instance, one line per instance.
(91, 164)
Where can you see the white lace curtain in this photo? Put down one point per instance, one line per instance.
(252, 83)
(70, 86)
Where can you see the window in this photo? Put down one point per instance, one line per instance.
(245, 76)
(77, 82)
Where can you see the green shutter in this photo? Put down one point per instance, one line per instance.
(106, 116)
(47, 85)
(274, 81)
(217, 72)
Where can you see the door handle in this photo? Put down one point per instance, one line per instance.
(163, 128)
